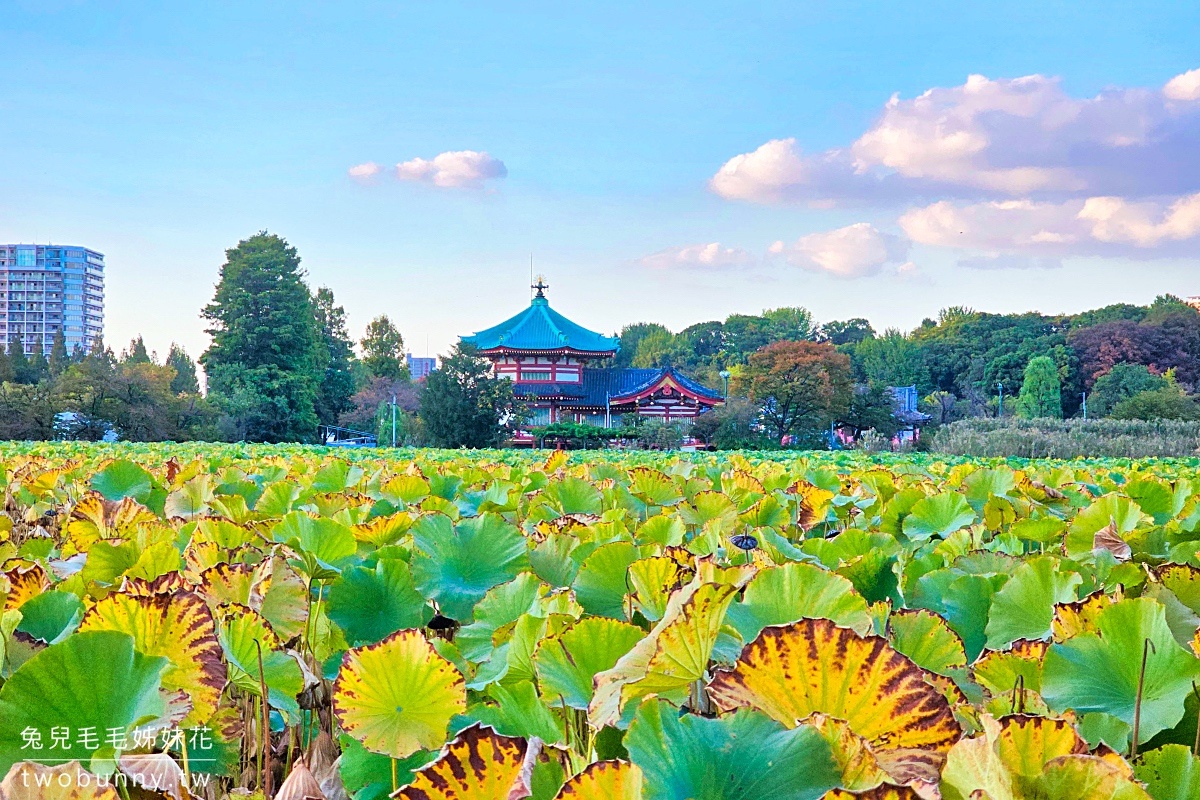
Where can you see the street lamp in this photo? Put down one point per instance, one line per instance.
(1000, 407)
(725, 377)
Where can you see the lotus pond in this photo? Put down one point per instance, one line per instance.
(212, 621)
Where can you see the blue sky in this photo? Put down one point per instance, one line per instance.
(661, 161)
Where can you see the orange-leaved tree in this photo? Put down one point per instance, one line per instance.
(797, 386)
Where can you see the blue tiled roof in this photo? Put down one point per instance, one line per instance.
(601, 384)
(540, 327)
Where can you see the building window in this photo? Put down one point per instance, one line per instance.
(538, 416)
(535, 375)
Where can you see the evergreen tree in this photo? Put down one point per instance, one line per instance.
(185, 381)
(261, 365)
(336, 357)
(39, 368)
(137, 354)
(59, 358)
(465, 405)
(6, 368)
(22, 372)
(1041, 391)
(383, 350)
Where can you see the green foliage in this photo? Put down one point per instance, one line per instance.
(383, 350)
(185, 380)
(262, 363)
(1041, 393)
(1120, 383)
(335, 358)
(798, 386)
(464, 405)
(1169, 402)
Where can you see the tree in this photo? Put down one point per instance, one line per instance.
(797, 386)
(1041, 391)
(791, 324)
(1120, 383)
(465, 405)
(849, 332)
(871, 408)
(383, 350)
(336, 357)
(21, 369)
(731, 426)
(631, 339)
(261, 364)
(1168, 402)
(137, 353)
(60, 359)
(656, 349)
(185, 380)
(39, 367)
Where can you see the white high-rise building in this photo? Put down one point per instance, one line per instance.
(45, 288)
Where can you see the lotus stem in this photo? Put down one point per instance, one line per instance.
(265, 775)
(1147, 646)
(395, 776)
(1196, 744)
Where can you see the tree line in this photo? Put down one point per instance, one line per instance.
(282, 362)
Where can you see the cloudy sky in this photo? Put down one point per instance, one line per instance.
(670, 162)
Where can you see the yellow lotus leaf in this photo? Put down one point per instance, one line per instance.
(604, 780)
(747, 483)
(709, 571)
(673, 655)
(1084, 777)
(94, 518)
(852, 754)
(240, 584)
(178, 627)
(70, 781)
(1072, 619)
(1026, 744)
(1196, 643)
(1000, 671)
(812, 504)
(478, 765)
(168, 583)
(24, 583)
(653, 580)
(382, 530)
(397, 696)
(887, 792)
(812, 666)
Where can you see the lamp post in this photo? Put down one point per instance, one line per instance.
(1000, 407)
(725, 377)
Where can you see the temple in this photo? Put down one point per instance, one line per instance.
(566, 372)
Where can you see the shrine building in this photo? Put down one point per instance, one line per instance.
(565, 371)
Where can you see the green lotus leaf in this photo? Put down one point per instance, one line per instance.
(93, 681)
(1170, 773)
(242, 633)
(1101, 671)
(367, 775)
(122, 479)
(1083, 777)
(782, 595)
(743, 756)
(567, 663)
(1121, 513)
(501, 606)
(928, 640)
(455, 564)
(602, 582)
(325, 545)
(653, 487)
(1024, 607)
(938, 515)
(964, 601)
(398, 696)
(573, 496)
(708, 506)
(517, 710)
(556, 559)
(1044, 530)
(51, 616)
(371, 604)
(336, 476)
(664, 530)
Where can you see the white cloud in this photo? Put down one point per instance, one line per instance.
(1091, 226)
(458, 169)
(993, 139)
(854, 251)
(1184, 88)
(365, 171)
(713, 255)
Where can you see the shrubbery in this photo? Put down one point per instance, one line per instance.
(1055, 438)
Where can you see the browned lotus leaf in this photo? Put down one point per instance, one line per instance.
(811, 503)
(24, 583)
(813, 666)
(94, 518)
(1072, 619)
(604, 780)
(70, 781)
(478, 765)
(885, 792)
(155, 772)
(1108, 539)
(168, 583)
(300, 784)
(240, 584)
(555, 462)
